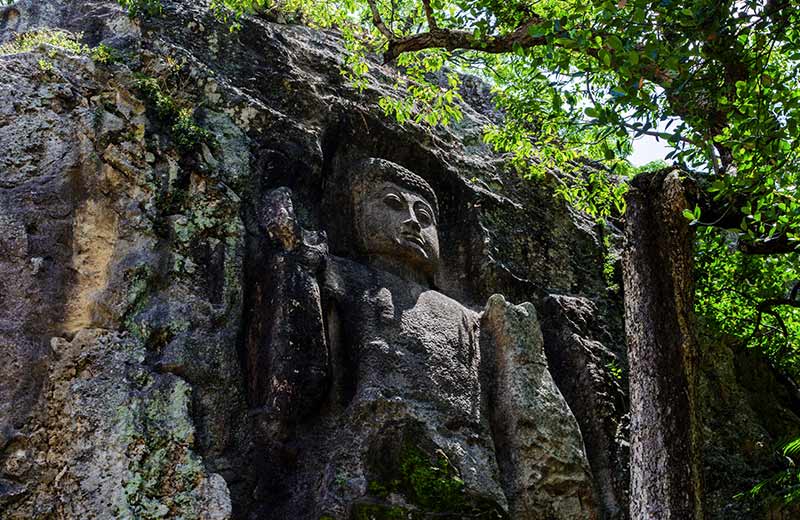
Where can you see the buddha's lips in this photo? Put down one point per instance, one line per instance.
(416, 239)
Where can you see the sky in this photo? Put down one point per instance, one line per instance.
(646, 149)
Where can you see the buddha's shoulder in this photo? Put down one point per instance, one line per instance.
(346, 278)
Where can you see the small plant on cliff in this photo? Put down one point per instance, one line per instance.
(783, 486)
(615, 370)
(29, 41)
(186, 134)
(45, 66)
(66, 41)
(228, 11)
(428, 481)
(138, 8)
(435, 486)
(105, 54)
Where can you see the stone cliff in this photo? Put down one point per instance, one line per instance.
(141, 293)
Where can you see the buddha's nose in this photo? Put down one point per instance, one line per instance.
(412, 224)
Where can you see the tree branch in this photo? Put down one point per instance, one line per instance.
(429, 15)
(661, 135)
(768, 307)
(451, 39)
(377, 21)
(725, 214)
(769, 246)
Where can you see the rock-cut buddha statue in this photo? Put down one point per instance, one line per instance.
(388, 398)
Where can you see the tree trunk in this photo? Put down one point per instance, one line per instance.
(662, 350)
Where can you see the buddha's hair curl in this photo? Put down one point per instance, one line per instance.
(374, 170)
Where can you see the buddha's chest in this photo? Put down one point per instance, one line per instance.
(425, 323)
(406, 341)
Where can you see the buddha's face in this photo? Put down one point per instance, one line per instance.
(399, 224)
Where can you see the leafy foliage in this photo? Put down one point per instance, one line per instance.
(783, 488)
(137, 8)
(65, 41)
(106, 55)
(45, 66)
(732, 288)
(425, 100)
(29, 41)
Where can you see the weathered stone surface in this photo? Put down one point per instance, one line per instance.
(96, 19)
(115, 440)
(409, 379)
(593, 380)
(748, 413)
(372, 375)
(106, 224)
(96, 235)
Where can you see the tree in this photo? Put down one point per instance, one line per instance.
(576, 79)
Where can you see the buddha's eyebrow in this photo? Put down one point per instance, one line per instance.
(388, 188)
(425, 205)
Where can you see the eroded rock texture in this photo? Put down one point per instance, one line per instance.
(393, 398)
(748, 412)
(141, 287)
(590, 373)
(114, 440)
(543, 478)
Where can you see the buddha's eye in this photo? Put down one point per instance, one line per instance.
(393, 201)
(424, 216)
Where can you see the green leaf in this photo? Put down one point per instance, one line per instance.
(605, 57)
(567, 43)
(614, 42)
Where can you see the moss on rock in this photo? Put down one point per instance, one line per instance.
(425, 485)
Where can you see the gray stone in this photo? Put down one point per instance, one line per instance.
(748, 411)
(540, 449)
(593, 380)
(104, 224)
(115, 434)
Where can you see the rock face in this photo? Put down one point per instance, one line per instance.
(134, 201)
(580, 350)
(748, 414)
(174, 232)
(541, 451)
(91, 253)
(115, 433)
